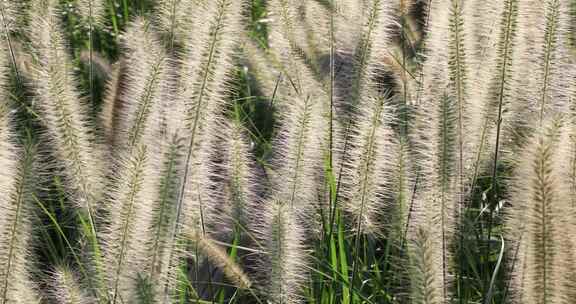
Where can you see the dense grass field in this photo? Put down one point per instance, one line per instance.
(287, 151)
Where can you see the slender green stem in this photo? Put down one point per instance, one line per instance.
(508, 36)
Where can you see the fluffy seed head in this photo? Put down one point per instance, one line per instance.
(539, 196)
(93, 11)
(145, 71)
(62, 111)
(66, 289)
(16, 209)
(285, 257)
(202, 90)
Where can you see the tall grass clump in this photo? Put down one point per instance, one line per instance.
(287, 151)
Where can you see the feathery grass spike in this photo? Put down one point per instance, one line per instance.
(301, 152)
(367, 163)
(540, 198)
(571, 142)
(398, 192)
(93, 11)
(145, 70)
(283, 237)
(62, 111)
(8, 14)
(112, 103)
(175, 19)
(66, 288)
(302, 136)
(16, 210)
(440, 121)
(137, 191)
(8, 21)
(239, 177)
(65, 118)
(500, 86)
(371, 137)
(124, 246)
(544, 52)
(426, 287)
(220, 257)
(365, 48)
(483, 60)
(168, 164)
(458, 84)
(203, 86)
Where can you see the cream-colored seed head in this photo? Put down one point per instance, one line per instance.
(16, 209)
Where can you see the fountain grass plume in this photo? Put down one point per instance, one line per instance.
(139, 179)
(480, 35)
(112, 104)
(62, 110)
(125, 237)
(503, 69)
(10, 13)
(426, 287)
(543, 51)
(349, 21)
(218, 255)
(299, 155)
(440, 143)
(302, 138)
(175, 21)
(16, 206)
(93, 11)
(398, 192)
(239, 180)
(367, 163)
(539, 194)
(145, 65)
(371, 137)
(571, 129)
(77, 154)
(16, 222)
(284, 261)
(66, 289)
(206, 69)
(287, 28)
(145, 184)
